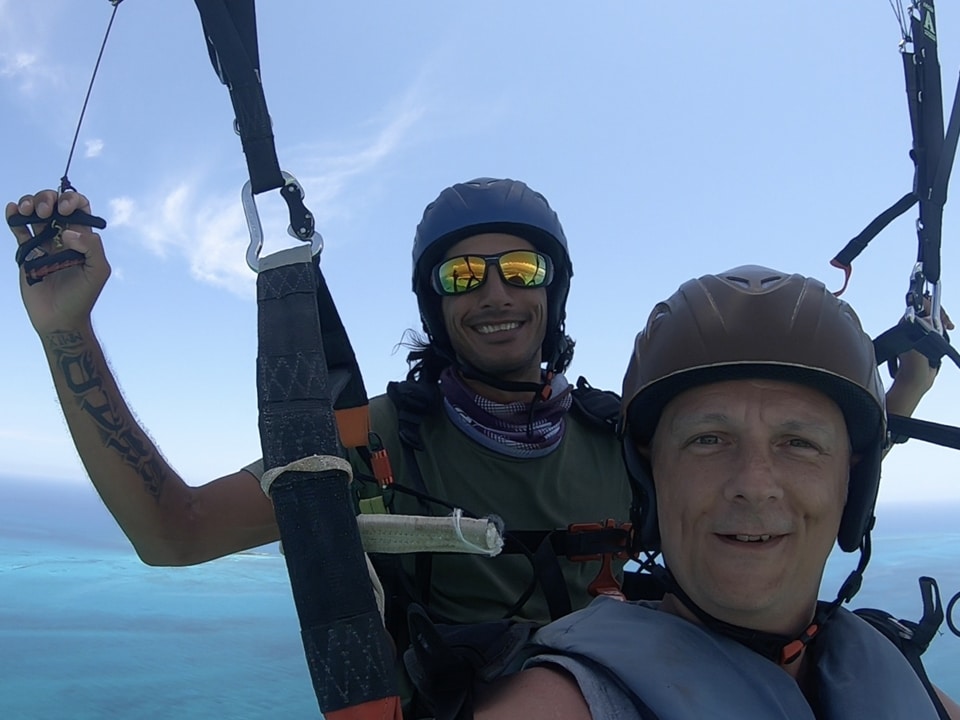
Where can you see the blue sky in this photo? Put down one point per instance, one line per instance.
(672, 139)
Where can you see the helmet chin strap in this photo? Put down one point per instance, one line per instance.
(540, 389)
(781, 649)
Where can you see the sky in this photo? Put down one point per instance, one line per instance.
(673, 139)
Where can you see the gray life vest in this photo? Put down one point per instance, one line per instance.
(622, 652)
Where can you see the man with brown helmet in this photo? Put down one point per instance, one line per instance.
(754, 425)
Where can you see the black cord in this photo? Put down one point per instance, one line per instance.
(950, 624)
(65, 181)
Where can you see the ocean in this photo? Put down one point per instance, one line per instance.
(87, 631)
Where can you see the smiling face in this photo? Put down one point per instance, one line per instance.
(751, 479)
(497, 328)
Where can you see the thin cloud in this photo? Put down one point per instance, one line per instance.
(16, 63)
(93, 148)
(168, 230)
(328, 173)
(121, 210)
(22, 59)
(210, 231)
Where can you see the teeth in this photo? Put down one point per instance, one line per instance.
(500, 327)
(752, 538)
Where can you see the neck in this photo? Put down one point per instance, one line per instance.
(798, 669)
(532, 376)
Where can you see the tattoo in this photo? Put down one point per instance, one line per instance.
(116, 430)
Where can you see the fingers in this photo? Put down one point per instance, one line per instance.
(72, 201)
(21, 233)
(86, 243)
(41, 203)
(44, 202)
(945, 320)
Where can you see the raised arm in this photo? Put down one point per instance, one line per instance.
(168, 522)
(914, 378)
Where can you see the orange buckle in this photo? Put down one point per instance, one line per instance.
(382, 471)
(605, 583)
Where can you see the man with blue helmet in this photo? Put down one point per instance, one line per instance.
(485, 421)
(498, 429)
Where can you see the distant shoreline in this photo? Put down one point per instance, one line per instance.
(71, 509)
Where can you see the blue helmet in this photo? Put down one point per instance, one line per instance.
(489, 205)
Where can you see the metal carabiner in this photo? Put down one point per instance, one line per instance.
(918, 293)
(935, 317)
(304, 221)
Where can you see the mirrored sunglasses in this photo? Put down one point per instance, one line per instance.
(521, 268)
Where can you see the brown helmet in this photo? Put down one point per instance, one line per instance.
(753, 322)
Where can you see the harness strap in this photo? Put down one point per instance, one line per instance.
(547, 569)
(857, 245)
(938, 192)
(230, 29)
(913, 335)
(447, 663)
(600, 407)
(932, 152)
(580, 541)
(902, 428)
(913, 638)
(927, 123)
(348, 652)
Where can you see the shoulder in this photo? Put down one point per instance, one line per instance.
(596, 407)
(538, 692)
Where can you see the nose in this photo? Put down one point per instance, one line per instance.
(494, 292)
(754, 479)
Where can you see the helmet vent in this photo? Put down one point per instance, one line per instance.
(752, 281)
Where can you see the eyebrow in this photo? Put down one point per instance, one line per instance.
(689, 422)
(692, 422)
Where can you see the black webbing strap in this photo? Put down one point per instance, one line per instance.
(853, 248)
(912, 335)
(348, 652)
(932, 152)
(941, 180)
(230, 29)
(550, 576)
(913, 638)
(347, 388)
(902, 428)
(927, 124)
(570, 544)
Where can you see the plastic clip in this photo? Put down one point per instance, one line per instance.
(605, 583)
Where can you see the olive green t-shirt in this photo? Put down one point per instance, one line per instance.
(582, 480)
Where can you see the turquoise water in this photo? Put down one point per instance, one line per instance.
(87, 631)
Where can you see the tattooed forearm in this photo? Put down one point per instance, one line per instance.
(117, 431)
(65, 339)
